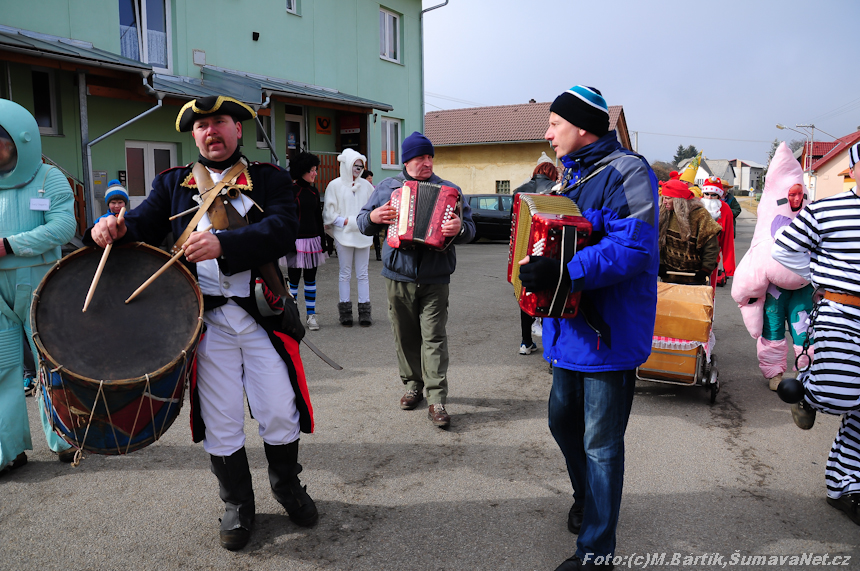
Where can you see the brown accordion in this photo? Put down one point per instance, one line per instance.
(422, 208)
(550, 226)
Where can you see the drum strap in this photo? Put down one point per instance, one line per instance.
(203, 180)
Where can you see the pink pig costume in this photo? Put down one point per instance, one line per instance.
(766, 292)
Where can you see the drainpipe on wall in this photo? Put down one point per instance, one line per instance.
(269, 142)
(87, 165)
(88, 146)
(421, 52)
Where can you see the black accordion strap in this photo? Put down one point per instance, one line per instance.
(562, 289)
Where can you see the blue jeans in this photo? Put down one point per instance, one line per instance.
(588, 415)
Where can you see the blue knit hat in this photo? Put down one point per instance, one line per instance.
(416, 145)
(115, 191)
(584, 107)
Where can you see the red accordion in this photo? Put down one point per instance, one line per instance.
(550, 226)
(422, 208)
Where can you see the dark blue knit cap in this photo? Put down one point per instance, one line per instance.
(583, 107)
(416, 145)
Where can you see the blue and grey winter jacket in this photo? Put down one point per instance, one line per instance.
(419, 265)
(618, 274)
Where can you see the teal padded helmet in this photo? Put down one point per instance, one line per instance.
(22, 128)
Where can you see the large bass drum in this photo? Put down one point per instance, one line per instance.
(113, 378)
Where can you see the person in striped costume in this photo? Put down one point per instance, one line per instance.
(822, 245)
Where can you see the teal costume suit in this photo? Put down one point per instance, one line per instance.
(34, 230)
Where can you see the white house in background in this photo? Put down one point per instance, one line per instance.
(749, 174)
(703, 173)
(722, 168)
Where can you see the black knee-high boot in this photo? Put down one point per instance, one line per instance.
(237, 493)
(284, 470)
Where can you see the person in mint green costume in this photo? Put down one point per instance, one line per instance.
(36, 219)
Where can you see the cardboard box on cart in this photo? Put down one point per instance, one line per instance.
(684, 311)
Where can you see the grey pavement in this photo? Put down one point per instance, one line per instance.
(395, 493)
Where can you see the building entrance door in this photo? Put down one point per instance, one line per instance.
(143, 161)
(295, 135)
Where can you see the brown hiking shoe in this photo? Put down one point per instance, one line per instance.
(411, 399)
(438, 415)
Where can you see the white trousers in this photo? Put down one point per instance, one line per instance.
(230, 363)
(350, 258)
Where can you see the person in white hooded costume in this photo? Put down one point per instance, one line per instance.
(344, 197)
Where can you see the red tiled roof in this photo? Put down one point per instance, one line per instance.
(836, 148)
(821, 148)
(496, 124)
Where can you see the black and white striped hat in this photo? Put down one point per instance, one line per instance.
(854, 155)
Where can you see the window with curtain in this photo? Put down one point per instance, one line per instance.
(390, 143)
(389, 36)
(144, 28)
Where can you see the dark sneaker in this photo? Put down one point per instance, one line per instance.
(574, 519)
(803, 415)
(29, 386)
(66, 456)
(19, 461)
(850, 504)
(438, 415)
(410, 399)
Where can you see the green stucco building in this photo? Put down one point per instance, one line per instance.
(106, 78)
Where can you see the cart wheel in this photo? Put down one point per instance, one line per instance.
(714, 379)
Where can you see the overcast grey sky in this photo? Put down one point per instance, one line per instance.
(717, 75)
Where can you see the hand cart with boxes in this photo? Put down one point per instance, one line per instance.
(683, 339)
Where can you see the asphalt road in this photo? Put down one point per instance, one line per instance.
(736, 478)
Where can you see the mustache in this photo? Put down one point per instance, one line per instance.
(210, 140)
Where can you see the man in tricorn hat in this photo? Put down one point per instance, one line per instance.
(241, 350)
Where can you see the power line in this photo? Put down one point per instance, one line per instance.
(439, 96)
(709, 138)
(850, 106)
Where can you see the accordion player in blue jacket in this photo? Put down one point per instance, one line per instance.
(595, 354)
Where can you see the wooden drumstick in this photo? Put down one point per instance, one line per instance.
(161, 270)
(101, 267)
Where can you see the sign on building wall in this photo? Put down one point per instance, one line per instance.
(323, 125)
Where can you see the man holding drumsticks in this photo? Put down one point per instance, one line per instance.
(241, 351)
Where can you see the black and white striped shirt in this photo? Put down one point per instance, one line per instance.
(829, 231)
(827, 234)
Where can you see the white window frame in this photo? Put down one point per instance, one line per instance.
(387, 144)
(54, 128)
(386, 16)
(148, 164)
(292, 7)
(143, 38)
(302, 133)
(266, 122)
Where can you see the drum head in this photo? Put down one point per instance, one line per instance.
(113, 340)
